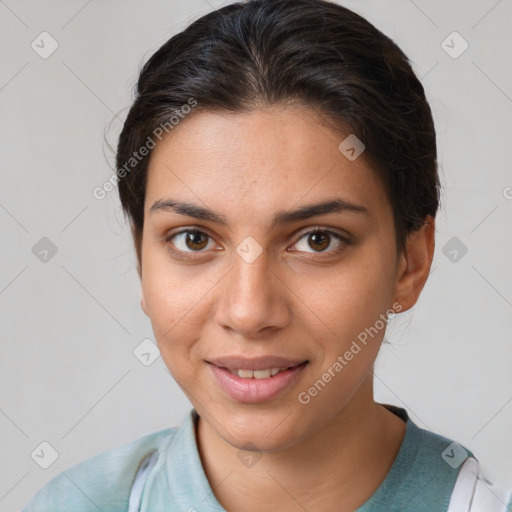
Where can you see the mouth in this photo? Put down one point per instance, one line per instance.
(256, 380)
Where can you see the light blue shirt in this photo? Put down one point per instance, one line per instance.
(421, 479)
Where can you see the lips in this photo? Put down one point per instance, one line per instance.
(256, 380)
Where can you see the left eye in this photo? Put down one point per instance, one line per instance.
(319, 239)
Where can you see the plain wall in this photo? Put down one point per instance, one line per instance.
(68, 375)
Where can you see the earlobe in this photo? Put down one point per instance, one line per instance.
(414, 264)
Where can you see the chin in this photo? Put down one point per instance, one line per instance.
(255, 428)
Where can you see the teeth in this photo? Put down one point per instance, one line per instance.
(259, 374)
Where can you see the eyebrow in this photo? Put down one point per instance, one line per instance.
(335, 205)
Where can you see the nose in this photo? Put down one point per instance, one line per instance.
(253, 301)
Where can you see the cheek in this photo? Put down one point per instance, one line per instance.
(176, 304)
(350, 332)
(351, 298)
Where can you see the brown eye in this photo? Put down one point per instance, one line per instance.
(191, 240)
(195, 240)
(320, 240)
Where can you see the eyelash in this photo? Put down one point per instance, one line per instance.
(315, 230)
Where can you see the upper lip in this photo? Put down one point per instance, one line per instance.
(256, 363)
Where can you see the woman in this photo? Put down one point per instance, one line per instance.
(278, 169)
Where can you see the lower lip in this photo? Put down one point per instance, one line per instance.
(253, 391)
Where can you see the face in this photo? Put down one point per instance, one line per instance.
(241, 279)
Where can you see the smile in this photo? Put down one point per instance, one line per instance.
(255, 381)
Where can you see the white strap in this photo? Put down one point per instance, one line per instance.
(142, 475)
(489, 498)
(473, 493)
(464, 488)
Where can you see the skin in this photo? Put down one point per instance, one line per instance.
(248, 167)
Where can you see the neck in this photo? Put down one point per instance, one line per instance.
(344, 462)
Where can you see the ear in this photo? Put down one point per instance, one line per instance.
(414, 263)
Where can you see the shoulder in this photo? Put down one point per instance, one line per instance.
(442, 452)
(454, 475)
(437, 458)
(426, 450)
(450, 465)
(102, 482)
(423, 474)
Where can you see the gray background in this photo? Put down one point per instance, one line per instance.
(70, 324)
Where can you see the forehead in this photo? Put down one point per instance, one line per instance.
(259, 162)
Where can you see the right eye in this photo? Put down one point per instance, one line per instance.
(188, 241)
